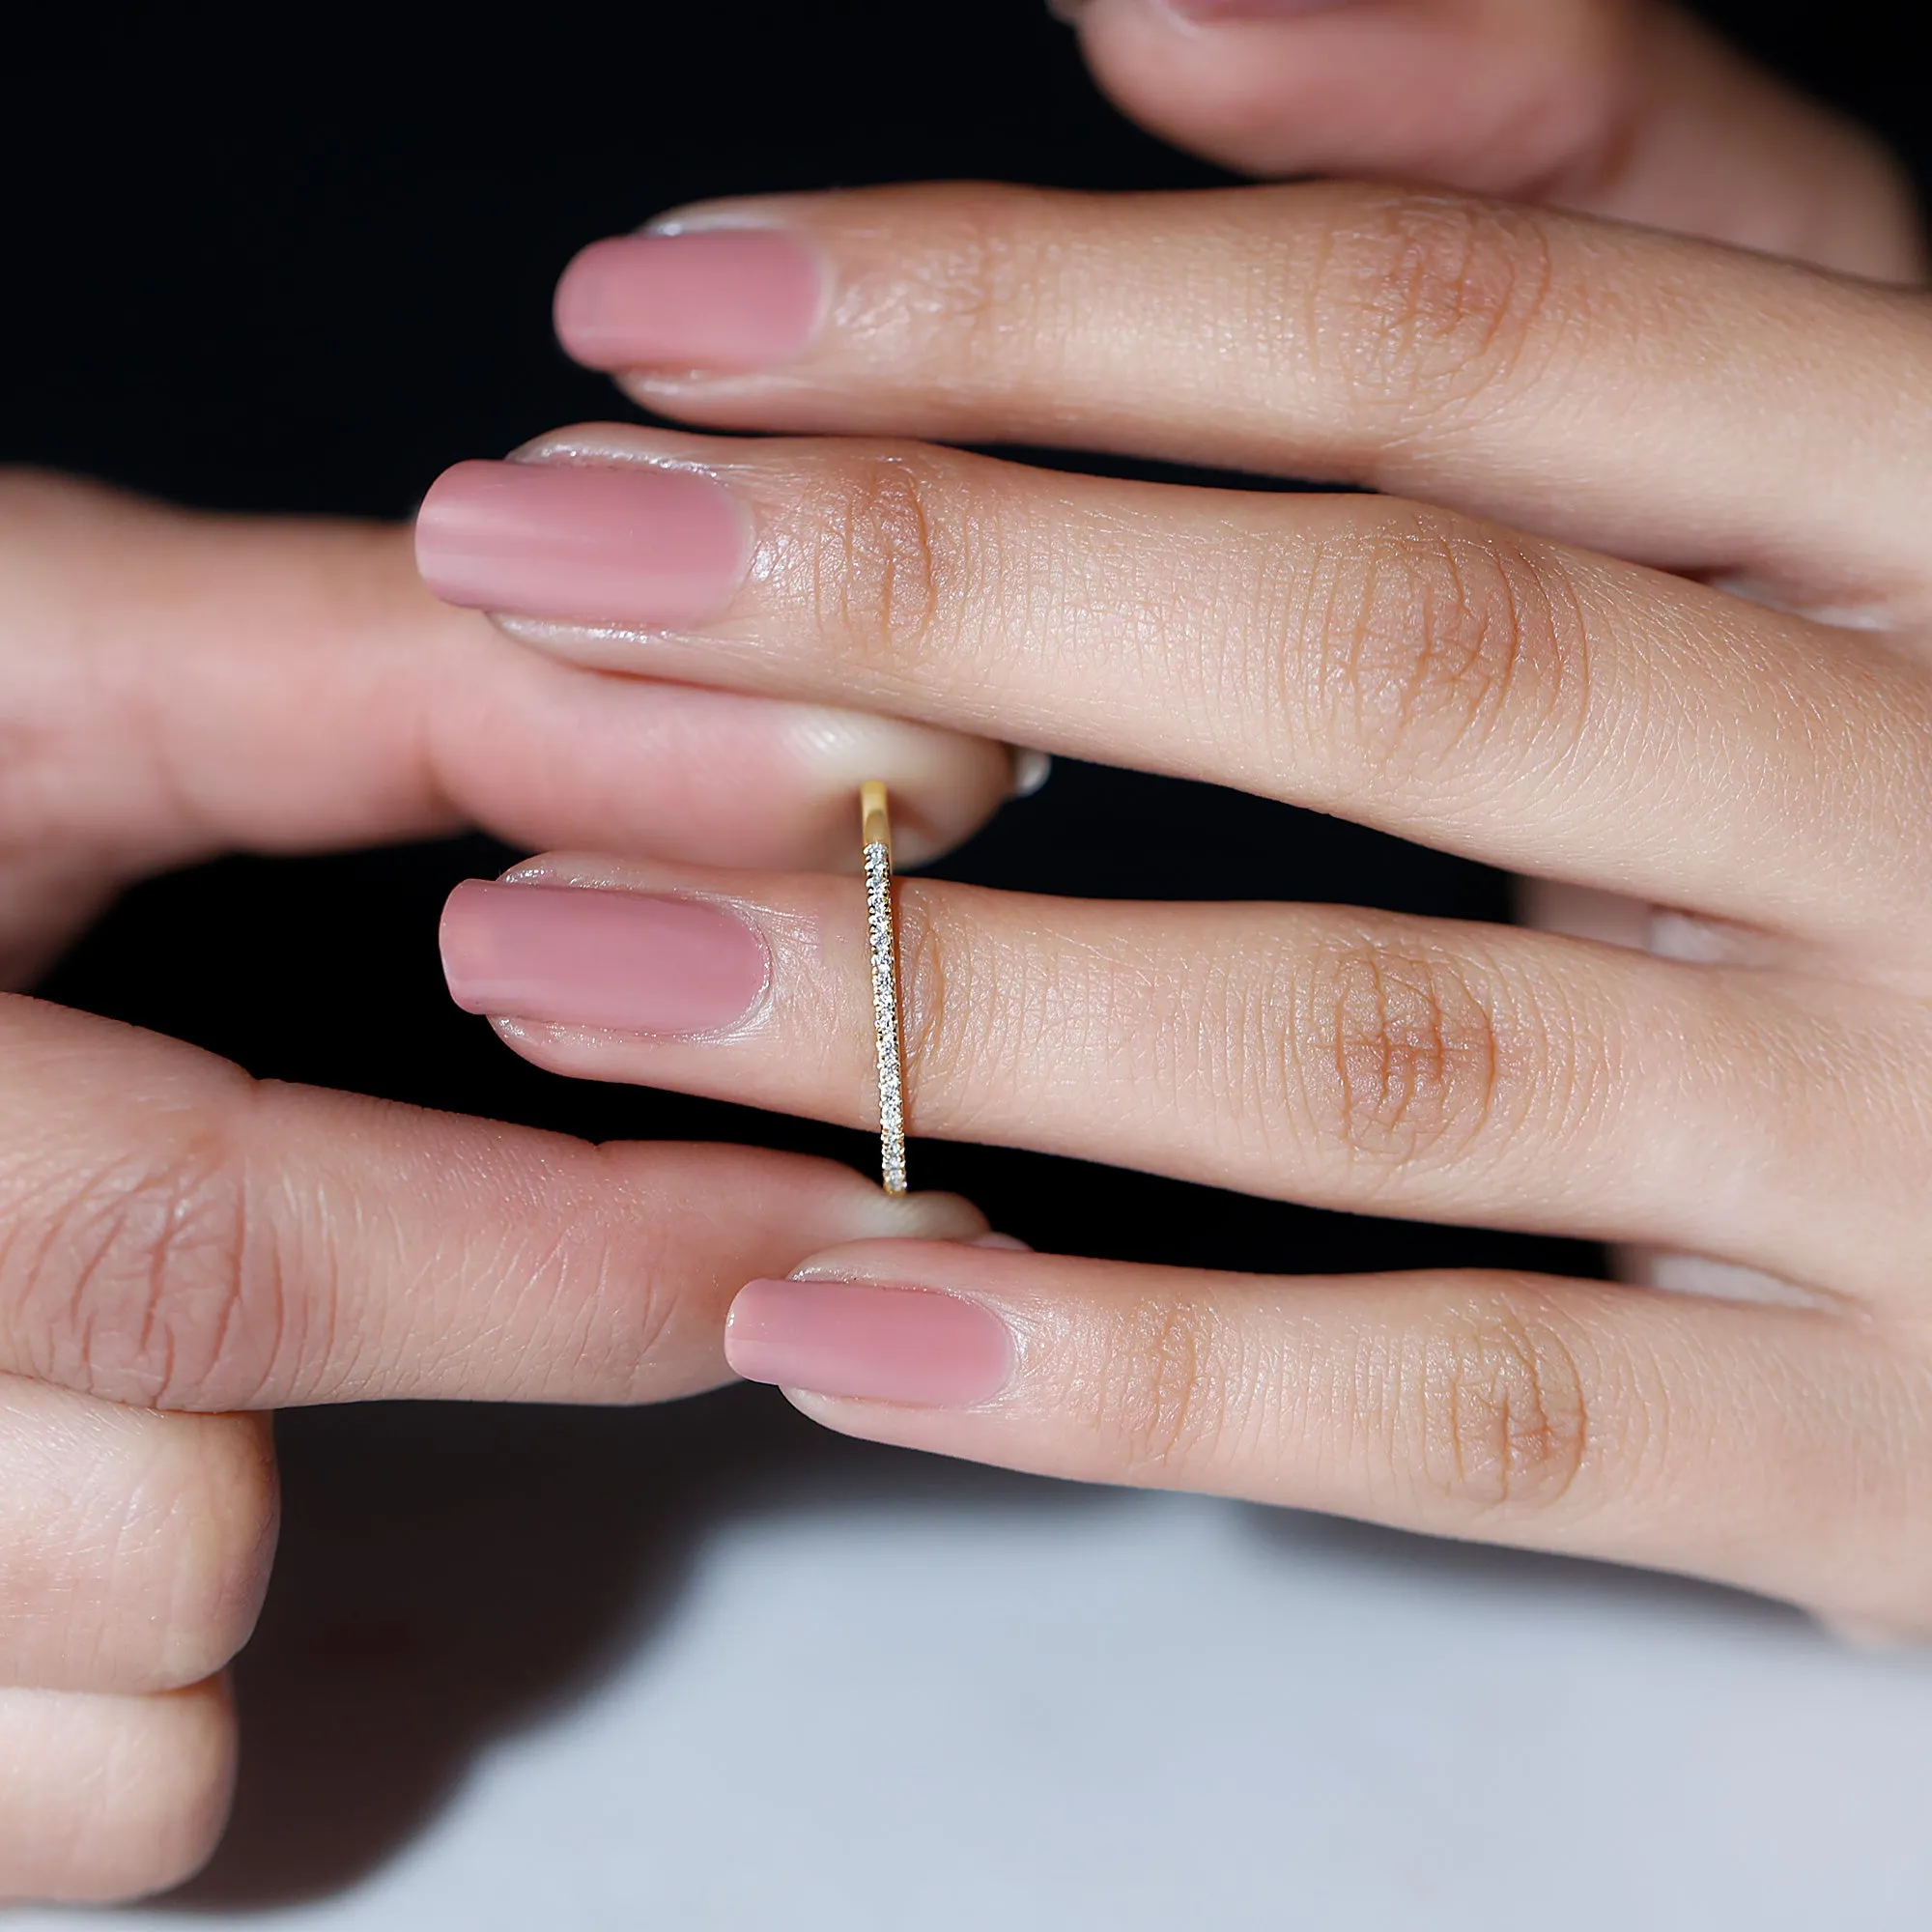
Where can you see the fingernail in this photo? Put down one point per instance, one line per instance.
(999, 1240)
(1031, 771)
(1247, 9)
(568, 955)
(724, 300)
(853, 1338)
(583, 543)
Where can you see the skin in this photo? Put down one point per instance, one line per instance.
(176, 686)
(183, 1248)
(1642, 610)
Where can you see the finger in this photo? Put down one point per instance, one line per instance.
(1632, 110)
(179, 685)
(1443, 680)
(182, 1238)
(134, 1548)
(1612, 920)
(1347, 1059)
(1631, 391)
(1771, 1448)
(106, 1799)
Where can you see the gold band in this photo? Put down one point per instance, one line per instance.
(875, 830)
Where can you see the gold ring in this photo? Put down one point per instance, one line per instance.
(875, 830)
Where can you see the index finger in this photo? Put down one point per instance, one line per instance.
(176, 1235)
(1624, 389)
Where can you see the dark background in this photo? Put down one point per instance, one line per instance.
(306, 278)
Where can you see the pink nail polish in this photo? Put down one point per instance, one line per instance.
(853, 1338)
(723, 300)
(571, 955)
(582, 543)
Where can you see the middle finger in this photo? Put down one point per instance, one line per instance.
(1515, 699)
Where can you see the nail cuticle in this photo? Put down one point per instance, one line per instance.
(707, 218)
(571, 453)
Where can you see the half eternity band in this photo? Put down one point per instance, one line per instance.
(875, 830)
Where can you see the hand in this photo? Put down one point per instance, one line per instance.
(1626, 108)
(178, 1243)
(1490, 658)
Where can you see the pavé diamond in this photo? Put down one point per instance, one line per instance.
(886, 1017)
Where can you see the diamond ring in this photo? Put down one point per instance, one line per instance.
(875, 828)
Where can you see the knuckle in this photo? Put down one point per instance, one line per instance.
(1499, 1411)
(887, 555)
(1165, 1402)
(1436, 300)
(148, 1281)
(1437, 639)
(1398, 1054)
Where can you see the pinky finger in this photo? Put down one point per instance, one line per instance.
(1768, 1448)
(109, 1797)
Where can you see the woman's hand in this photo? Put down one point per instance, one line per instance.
(1628, 108)
(176, 685)
(1508, 656)
(179, 1245)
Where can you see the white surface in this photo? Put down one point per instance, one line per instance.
(1141, 1711)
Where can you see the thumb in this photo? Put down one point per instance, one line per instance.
(173, 684)
(1626, 108)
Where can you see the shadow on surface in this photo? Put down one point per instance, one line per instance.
(1400, 1560)
(449, 1576)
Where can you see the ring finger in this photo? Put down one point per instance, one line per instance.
(1347, 1059)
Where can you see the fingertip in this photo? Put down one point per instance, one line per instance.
(944, 785)
(108, 1799)
(922, 1217)
(1031, 771)
(1289, 87)
(458, 941)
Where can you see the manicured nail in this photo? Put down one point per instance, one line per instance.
(723, 300)
(852, 1338)
(1247, 9)
(583, 543)
(569, 955)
